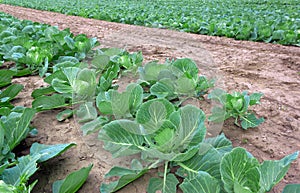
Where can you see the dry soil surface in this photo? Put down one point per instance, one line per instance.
(240, 65)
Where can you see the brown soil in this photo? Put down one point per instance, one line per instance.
(241, 65)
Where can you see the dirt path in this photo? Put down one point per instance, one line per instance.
(257, 67)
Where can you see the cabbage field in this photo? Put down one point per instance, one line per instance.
(148, 110)
(268, 20)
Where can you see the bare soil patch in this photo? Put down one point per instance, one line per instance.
(257, 67)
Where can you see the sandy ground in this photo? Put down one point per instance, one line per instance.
(240, 65)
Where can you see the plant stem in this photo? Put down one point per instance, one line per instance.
(187, 168)
(165, 176)
(154, 165)
(12, 164)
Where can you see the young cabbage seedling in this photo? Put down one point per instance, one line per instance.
(235, 105)
(177, 79)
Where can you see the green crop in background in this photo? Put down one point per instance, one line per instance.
(257, 20)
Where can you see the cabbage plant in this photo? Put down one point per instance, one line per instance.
(175, 140)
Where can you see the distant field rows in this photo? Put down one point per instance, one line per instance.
(257, 20)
